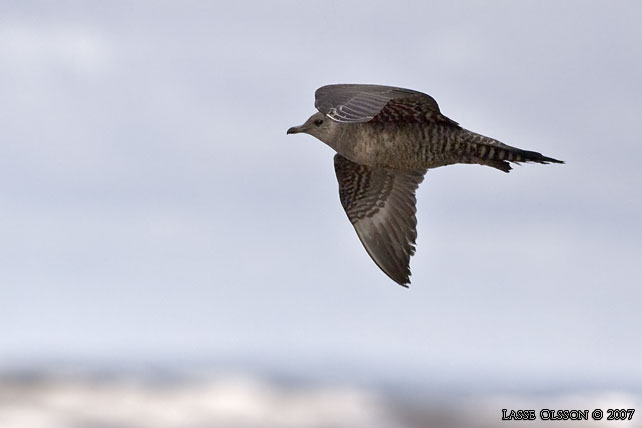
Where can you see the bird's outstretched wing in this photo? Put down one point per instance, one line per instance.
(366, 103)
(380, 204)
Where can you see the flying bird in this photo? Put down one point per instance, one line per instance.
(386, 138)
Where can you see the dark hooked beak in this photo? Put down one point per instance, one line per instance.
(295, 130)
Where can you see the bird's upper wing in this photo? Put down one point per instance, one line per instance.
(365, 103)
(380, 204)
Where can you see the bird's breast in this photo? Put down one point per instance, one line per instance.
(383, 145)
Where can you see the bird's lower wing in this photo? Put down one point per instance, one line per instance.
(381, 205)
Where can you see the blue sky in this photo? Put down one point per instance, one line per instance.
(153, 208)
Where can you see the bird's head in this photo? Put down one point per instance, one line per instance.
(318, 125)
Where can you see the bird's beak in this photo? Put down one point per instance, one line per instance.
(295, 129)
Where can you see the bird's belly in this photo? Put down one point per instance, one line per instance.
(383, 146)
(400, 147)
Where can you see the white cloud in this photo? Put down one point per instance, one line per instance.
(231, 401)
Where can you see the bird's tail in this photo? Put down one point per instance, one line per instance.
(488, 151)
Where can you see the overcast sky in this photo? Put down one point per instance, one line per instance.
(152, 207)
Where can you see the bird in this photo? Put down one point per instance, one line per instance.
(386, 139)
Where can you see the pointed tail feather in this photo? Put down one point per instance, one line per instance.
(494, 153)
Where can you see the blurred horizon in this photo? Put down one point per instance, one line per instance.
(244, 399)
(316, 371)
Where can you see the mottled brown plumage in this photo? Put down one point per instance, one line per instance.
(380, 203)
(386, 138)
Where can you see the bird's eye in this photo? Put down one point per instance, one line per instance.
(318, 122)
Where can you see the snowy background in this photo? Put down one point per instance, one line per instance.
(155, 220)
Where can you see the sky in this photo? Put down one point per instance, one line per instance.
(153, 210)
